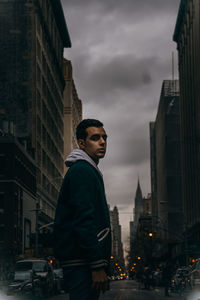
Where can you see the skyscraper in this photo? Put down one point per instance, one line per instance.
(165, 163)
(33, 36)
(117, 246)
(187, 37)
(72, 109)
(139, 205)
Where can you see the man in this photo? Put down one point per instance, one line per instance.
(82, 225)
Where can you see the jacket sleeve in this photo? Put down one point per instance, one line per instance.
(83, 191)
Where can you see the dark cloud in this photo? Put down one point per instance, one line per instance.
(132, 7)
(121, 53)
(116, 75)
(132, 145)
(121, 72)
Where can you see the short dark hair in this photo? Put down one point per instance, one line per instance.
(81, 132)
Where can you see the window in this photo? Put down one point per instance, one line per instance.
(38, 75)
(27, 233)
(2, 201)
(38, 101)
(2, 232)
(3, 165)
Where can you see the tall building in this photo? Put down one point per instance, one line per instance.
(187, 37)
(17, 200)
(166, 179)
(117, 246)
(148, 205)
(33, 36)
(153, 172)
(131, 228)
(72, 109)
(139, 205)
(140, 239)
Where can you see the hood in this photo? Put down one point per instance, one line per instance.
(78, 154)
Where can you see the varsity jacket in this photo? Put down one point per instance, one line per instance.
(82, 233)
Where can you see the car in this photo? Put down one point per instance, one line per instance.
(195, 274)
(183, 272)
(25, 283)
(40, 269)
(60, 285)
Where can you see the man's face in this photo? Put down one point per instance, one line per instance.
(95, 143)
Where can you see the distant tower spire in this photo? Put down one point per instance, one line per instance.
(139, 204)
(138, 194)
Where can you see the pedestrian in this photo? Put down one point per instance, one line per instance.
(140, 275)
(167, 276)
(82, 235)
(147, 278)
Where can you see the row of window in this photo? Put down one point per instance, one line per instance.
(187, 28)
(47, 117)
(48, 209)
(51, 83)
(54, 103)
(48, 144)
(48, 17)
(51, 126)
(52, 45)
(49, 187)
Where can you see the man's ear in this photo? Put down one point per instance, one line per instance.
(81, 144)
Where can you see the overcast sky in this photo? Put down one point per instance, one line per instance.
(121, 52)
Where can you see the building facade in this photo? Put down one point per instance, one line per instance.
(166, 180)
(187, 37)
(34, 35)
(153, 173)
(17, 200)
(141, 238)
(148, 205)
(117, 246)
(72, 110)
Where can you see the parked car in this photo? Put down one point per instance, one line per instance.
(60, 285)
(178, 284)
(181, 280)
(26, 283)
(30, 271)
(195, 274)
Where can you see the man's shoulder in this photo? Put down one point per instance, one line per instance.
(81, 166)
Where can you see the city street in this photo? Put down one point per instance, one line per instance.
(128, 290)
(122, 290)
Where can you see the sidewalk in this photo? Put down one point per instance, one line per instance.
(3, 285)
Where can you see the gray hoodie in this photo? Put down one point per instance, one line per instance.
(78, 154)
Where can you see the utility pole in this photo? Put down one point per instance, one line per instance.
(36, 227)
(186, 245)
